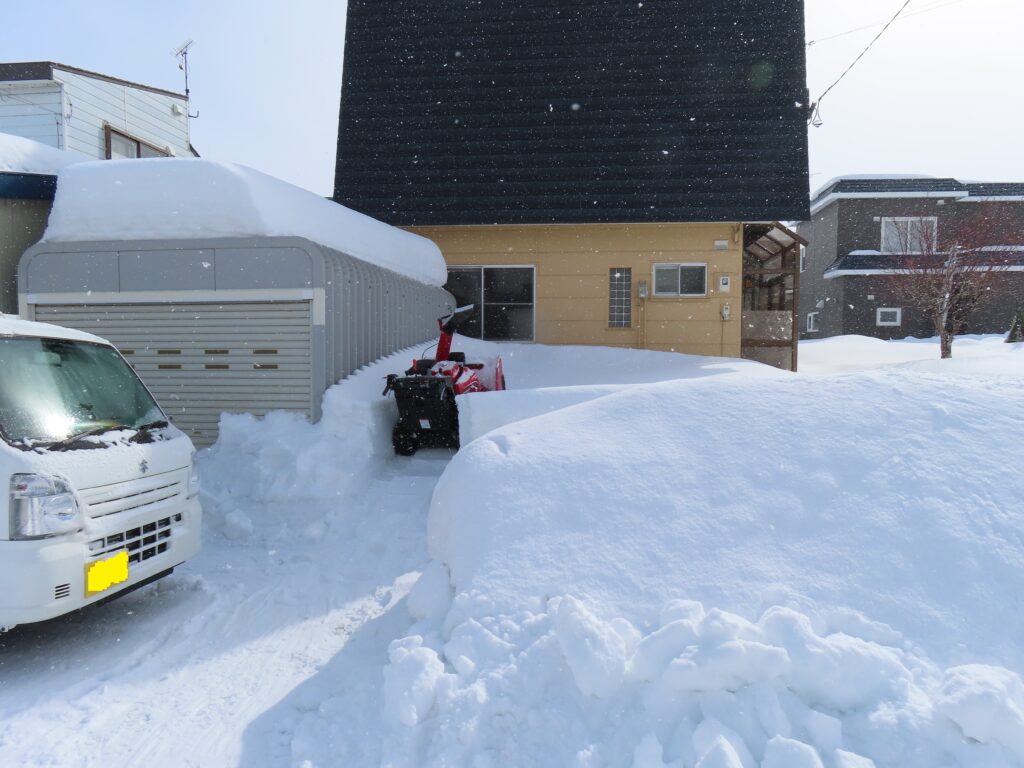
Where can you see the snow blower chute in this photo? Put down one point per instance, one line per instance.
(428, 414)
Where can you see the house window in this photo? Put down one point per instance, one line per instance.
(812, 322)
(888, 316)
(909, 234)
(681, 279)
(803, 258)
(120, 145)
(503, 297)
(620, 297)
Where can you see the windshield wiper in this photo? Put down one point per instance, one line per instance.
(158, 424)
(88, 433)
(142, 432)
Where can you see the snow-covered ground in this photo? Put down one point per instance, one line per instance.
(641, 559)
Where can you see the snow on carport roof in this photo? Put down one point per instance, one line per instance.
(184, 198)
(20, 155)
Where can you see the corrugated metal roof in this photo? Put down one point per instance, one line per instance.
(539, 111)
(995, 189)
(893, 185)
(43, 70)
(897, 186)
(865, 261)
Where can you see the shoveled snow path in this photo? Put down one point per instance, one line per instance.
(206, 671)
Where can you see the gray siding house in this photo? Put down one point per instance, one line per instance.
(90, 114)
(848, 280)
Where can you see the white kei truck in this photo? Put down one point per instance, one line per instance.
(101, 493)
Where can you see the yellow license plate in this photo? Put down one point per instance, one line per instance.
(104, 574)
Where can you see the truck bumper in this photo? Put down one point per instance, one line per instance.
(44, 579)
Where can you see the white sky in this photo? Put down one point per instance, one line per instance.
(939, 94)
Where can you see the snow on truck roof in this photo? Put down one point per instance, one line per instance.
(172, 198)
(11, 325)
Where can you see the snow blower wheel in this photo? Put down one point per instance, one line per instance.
(405, 441)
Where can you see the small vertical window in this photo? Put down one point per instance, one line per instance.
(803, 258)
(888, 316)
(620, 297)
(812, 322)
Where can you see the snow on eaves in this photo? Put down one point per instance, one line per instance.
(191, 198)
(20, 155)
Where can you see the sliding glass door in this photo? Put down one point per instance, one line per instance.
(503, 297)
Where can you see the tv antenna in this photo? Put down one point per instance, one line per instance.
(181, 54)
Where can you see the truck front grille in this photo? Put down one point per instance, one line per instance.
(141, 542)
(135, 495)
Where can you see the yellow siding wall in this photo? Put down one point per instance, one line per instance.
(572, 263)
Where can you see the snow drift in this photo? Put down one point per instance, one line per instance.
(727, 572)
(190, 198)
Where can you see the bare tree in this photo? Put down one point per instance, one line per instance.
(946, 281)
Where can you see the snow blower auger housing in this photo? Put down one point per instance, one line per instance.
(428, 413)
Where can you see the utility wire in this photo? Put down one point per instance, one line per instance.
(815, 118)
(40, 107)
(938, 5)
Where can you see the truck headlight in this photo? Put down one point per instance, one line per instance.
(193, 481)
(42, 506)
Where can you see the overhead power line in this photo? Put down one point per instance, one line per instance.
(937, 5)
(815, 118)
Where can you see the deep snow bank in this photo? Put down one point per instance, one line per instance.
(855, 544)
(283, 458)
(973, 355)
(543, 379)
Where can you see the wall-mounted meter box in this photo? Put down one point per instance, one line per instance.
(724, 283)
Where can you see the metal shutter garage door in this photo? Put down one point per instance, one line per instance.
(201, 360)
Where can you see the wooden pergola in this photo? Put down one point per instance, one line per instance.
(771, 294)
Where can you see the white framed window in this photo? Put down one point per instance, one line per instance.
(803, 258)
(812, 322)
(681, 279)
(888, 316)
(121, 145)
(909, 234)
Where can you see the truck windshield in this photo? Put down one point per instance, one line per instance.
(54, 389)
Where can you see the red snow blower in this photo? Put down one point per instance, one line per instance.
(427, 411)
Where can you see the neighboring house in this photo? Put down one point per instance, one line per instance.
(46, 107)
(857, 243)
(594, 173)
(90, 114)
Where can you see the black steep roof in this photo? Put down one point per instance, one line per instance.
(571, 111)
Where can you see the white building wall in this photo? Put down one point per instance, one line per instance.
(91, 103)
(32, 110)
